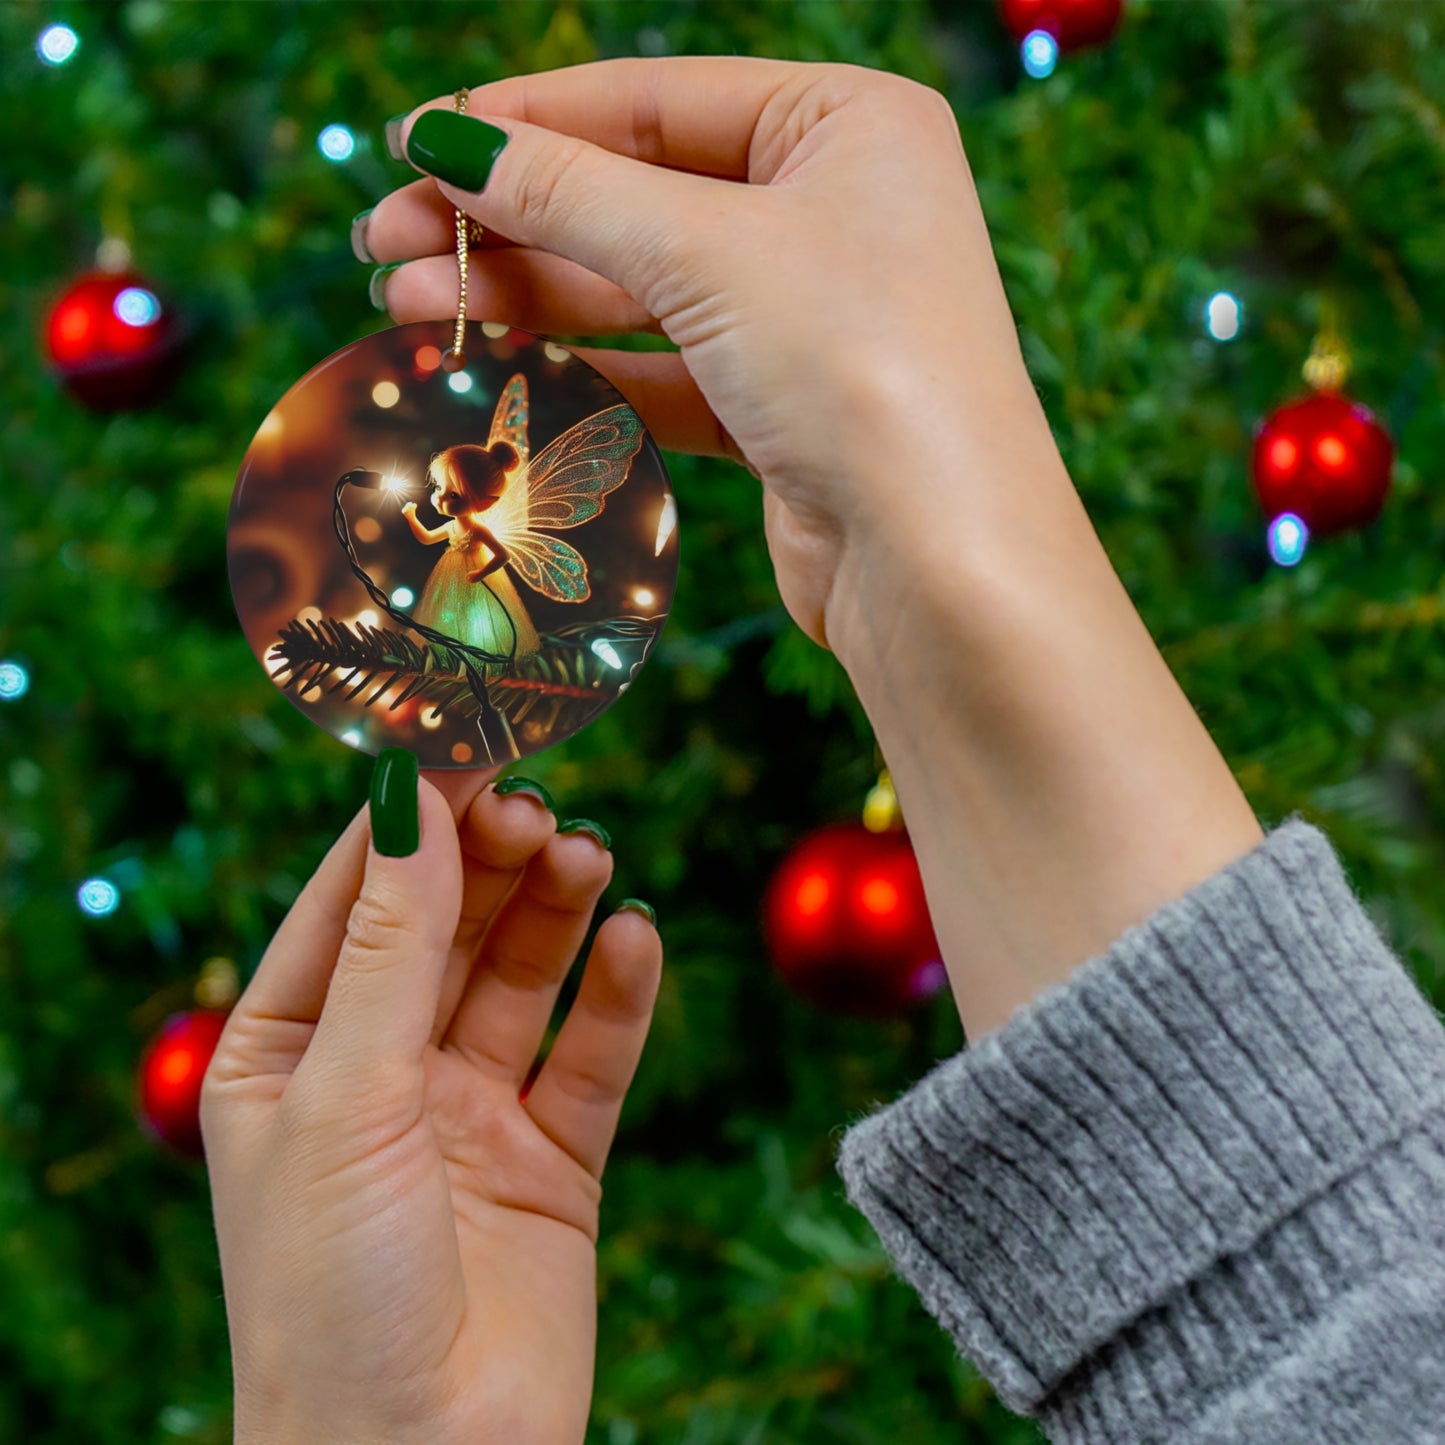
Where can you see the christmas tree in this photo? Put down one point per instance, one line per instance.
(1179, 214)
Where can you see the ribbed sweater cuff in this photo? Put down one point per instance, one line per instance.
(1159, 1155)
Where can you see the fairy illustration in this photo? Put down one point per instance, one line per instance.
(495, 498)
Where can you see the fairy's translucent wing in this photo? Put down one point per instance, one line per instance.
(567, 483)
(508, 517)
(509, 421)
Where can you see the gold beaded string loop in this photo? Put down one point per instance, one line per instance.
(456, 358)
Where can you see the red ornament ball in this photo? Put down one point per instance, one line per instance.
(1324, 458)
(112, 341)
(1073, 23)
(171, 1072)
(847, 924)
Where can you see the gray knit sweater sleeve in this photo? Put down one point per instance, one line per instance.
(1196, 1192)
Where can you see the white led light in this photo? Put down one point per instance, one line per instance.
(336, 143)
(403, 597)
(1040, 53)
(605, 650)
(98, 897)
(1223, 316)
(57, 44)
(14, 681)
(1288, 537)
(351, 738)
(460, 382)
(136, 306)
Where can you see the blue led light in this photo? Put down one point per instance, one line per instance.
(14, 681)
(460, 382)
(403, 597)
(136, 306)
(1223, 316)
(98, 897)
(1288, 538)
(57, 44)
(336, 143)
(605, 650)
(1040, 52)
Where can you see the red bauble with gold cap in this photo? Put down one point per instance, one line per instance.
(847, 924)
(171, 1072)
(1326, 459)
(1073, 23)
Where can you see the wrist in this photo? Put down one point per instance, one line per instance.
(1057, 784)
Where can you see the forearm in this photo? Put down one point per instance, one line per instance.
(1056, 782)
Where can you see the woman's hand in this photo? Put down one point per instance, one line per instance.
(407, 508)
(809, 236)
(407, 1236)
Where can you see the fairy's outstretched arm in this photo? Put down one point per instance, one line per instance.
(498, 558)
(428, 535)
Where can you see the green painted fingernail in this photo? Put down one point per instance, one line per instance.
(395, 824)
(586, 825)
(533, 789)
(359, 248)
(455, 148)
(377, 287)
(636, 905)
(393, 136)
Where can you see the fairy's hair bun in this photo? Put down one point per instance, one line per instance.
(504, 454)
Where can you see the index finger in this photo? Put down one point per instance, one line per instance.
(696, 113)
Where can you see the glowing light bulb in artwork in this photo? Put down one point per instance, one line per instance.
(644, 596)
(666, 524)
(605, 650)
(351, 737)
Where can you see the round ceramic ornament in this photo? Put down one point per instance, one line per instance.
(471, 564)
(459, 540)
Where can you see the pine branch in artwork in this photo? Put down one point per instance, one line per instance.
(585, 665)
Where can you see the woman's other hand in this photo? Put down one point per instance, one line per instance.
(407, 1239)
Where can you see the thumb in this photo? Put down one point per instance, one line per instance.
(382, 1000)
(634, 224)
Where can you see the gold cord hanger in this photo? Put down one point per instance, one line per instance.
(467, 230)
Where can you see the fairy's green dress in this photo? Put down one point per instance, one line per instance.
(475, 612)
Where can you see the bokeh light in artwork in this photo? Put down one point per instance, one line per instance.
(431, 719)
(1040, 53)
(460, 382)
(1223, 316)
(427, 359)
(644, 596)
(666, 524)
(1288, 537)
(98, 897)
(336, 143)
(14, 681)
(57, 44)
(351, 737)
(461, 752)
(403, 597)
(386, 394)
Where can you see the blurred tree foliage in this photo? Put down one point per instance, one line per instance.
(1287, 153)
